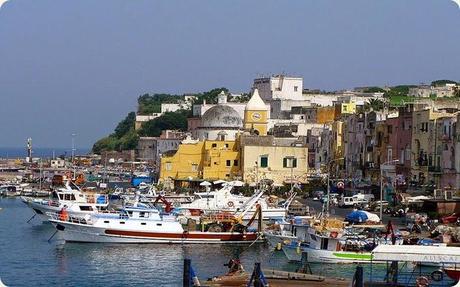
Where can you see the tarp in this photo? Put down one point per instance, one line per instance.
(372, 217)
(357, 216)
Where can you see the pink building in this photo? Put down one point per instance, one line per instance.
(399, 141)
(445, 145)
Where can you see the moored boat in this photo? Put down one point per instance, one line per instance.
(70, 197)
(145, 225)
(224, 200)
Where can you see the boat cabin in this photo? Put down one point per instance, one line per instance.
(140, 213)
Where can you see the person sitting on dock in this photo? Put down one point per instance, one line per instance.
(64, 214)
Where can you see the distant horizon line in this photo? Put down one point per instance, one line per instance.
(25, 147)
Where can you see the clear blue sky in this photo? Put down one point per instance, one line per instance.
(71, 66)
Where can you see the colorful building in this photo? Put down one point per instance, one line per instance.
(256, 115)
(282, 160)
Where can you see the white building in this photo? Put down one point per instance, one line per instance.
(140, 119)
(279, 87)
(172, 107)
(426, 91)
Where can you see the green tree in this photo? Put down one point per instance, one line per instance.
(441, 83)
(148, 104)
(374, 90)
(168, 121)
(374, 105)
(125, 125)
(209, 96)
(106, 143)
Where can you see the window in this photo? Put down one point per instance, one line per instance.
(235, 162)
(228, 162)
(226, 145)
(86, 208)
(168, 166)
(289, 162)
(194, 167)
(296, 88)
(214, 145)
(264, 161)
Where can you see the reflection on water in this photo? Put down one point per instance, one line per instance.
(27, 259)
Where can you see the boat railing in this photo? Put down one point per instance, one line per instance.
(86, 219)
(221, 216)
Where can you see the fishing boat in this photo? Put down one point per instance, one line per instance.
(70, 197)
(148, 225)
(328, 240)
(11, 190)
(224, 200)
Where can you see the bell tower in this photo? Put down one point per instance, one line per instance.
(256, 115)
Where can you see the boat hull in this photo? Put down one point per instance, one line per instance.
(453, 273)
(325, 256)
(75, 232)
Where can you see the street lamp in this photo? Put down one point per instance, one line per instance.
(328, 186)
(390, 162)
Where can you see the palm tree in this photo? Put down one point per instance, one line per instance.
(374, 105)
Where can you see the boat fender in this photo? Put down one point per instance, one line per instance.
(298, 251)
(230, 204)
(278, 246)
(437, 275)
(422, 282)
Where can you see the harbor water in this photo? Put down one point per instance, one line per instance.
(28, 259)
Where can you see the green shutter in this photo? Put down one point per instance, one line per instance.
(264, 161)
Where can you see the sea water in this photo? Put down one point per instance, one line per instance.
(28, 259)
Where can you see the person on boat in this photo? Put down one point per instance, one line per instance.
(64, 214)
(234, 266)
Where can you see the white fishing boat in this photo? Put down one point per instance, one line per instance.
(328, 241)
(10, 190)
(224, 200)
(70, 197)
(146, 225)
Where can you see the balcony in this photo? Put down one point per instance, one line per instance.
(422, 161)
(434, 169)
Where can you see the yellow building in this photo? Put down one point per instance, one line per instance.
(423, 147)
(256, 115)
(346, 108)
(202, 160)
(277, 159)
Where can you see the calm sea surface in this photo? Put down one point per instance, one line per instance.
(21, 152)
(27, 259)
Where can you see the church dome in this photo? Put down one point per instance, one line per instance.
(221, 116)
(256, 103)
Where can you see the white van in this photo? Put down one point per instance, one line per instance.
(358, 199)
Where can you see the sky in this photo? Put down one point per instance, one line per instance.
(78, 67)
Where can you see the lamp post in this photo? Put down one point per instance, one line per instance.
(381, 185)
(328, 186)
